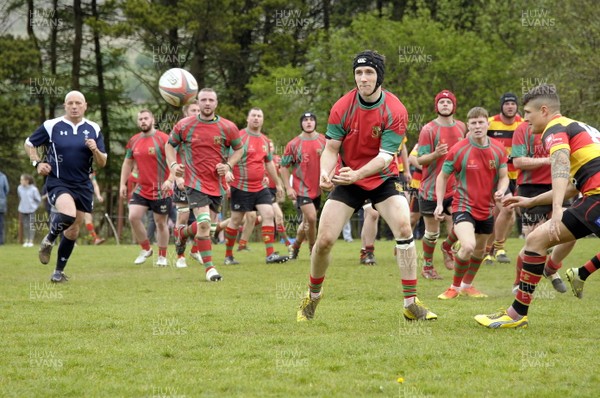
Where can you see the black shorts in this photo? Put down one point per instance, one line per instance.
(403, 183)
(305, 200)
(427, 207)
(158, 206)
(413, 200)
(583, 217)
(485, 227)
(247, 201)
(199, 199)
(179, 195)
(533, 215)
(83, 195)
(273, 194)
(355, 196)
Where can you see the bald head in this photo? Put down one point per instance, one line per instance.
(74, 94)
(75, 106)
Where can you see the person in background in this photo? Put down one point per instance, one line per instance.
(89, 218)
(4, 188)
(29, 201)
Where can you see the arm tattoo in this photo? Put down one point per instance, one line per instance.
(561, 164)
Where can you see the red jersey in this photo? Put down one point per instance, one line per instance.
(204, 144)
(303, 155)
(525, 144)
(583, 143)
(416, 173)
(504, 133)
(148, 151)
(366, 130)
(277, 161)
(476, 168)
(430, 136)
(250, 171)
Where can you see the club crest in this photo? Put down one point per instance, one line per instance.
(376, 132)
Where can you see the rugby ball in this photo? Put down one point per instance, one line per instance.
(178, 87)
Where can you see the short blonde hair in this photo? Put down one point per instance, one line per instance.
(477, 112)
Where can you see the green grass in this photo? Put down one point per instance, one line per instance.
(117, 329)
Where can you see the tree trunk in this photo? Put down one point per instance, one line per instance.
(77, 44)
(52, 101)
(101, 90)
(36, 44)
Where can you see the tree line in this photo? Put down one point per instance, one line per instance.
(284, 56)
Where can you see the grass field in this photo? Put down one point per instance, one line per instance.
(121, 330)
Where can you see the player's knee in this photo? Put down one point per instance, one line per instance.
(431, 236)
(183, 210)
(537, 240)
(467, 249)
(72, 232)
(161, 223)
(311, 219)
(203, 220)
(326, 241)
(134, 217)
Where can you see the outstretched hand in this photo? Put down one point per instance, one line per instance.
(516, 201)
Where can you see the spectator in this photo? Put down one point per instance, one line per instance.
(29, 201)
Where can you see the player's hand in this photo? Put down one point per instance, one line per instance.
(223, 169)
(407, 177)
(167, 187)
(554, 225)
(280, 196)
(325, 182)
(100, 198)
(178, 169)
(516, 201)
(44, 168)
(291, 193)
(229, 177)
(123, 191)
(346, 176)
(441, 150)
(180, 181)
(91, 144)
(438, 213)
(498, 195)
(279, 193)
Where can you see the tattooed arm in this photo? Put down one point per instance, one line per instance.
(561, 167)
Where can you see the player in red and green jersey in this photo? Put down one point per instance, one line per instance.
(277, 199)
(248, 191)
(532, 159)
(366, 127)
(181, 203)
(435, 140)
(575, 167)
(147, 150)
(205, 140)
(477, 161)
(302, 155)
(502, 127)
